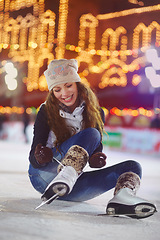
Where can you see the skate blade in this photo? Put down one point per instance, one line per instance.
(55, 196)
(140, 211)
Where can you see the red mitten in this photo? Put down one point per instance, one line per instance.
(43, 154)
(97, 160)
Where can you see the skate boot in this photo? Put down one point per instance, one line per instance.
(68, 172)
(61, 185)
(125, 202)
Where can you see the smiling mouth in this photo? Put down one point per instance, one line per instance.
(68, 98)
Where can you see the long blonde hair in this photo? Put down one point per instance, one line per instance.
(91, 114)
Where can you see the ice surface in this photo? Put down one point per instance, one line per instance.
(69, 220)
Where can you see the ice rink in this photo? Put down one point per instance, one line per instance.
(65, 220)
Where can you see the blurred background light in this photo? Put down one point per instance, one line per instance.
(12, 73)
(150, 71)
(151, 55)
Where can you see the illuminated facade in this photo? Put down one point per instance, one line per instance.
(119, 52)
(107, 45)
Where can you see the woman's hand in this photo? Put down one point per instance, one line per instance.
(43, 154)
(97, 160)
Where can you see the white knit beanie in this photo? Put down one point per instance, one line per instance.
(61, 71)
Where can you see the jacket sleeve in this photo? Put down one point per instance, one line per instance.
(100, 147)
(102, 115)
(40, 134)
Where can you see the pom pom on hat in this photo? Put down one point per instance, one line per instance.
(61, 71)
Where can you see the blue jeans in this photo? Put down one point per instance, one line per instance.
(90, 184)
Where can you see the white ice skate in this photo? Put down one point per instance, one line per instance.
(68, 172)
(62, 183)
(60, 186)
(126, 203)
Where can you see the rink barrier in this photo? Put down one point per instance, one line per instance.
(127, 139)
(133, 139)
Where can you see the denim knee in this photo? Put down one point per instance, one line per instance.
(134, 166)
(90, 140)
(92, 134)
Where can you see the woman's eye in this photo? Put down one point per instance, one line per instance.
(57, 90)
(70, 85)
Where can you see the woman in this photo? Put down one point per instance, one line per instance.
(68, 134)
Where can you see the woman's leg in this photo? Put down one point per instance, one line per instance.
(89, 184)
(41, 177)
(89, 139)
(92, 184)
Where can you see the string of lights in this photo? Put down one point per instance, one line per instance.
(113, 111)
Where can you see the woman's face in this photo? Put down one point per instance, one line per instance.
(67, 93)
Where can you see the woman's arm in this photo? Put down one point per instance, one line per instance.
(100, 147)
(40, 134)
